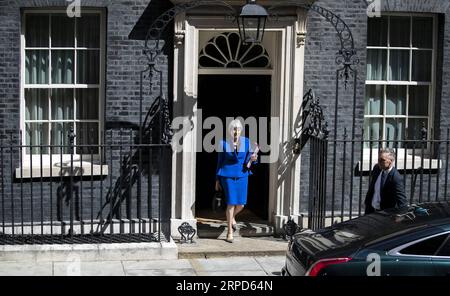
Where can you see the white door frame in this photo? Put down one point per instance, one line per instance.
(286, 50)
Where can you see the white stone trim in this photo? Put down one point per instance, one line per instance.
(287, 89)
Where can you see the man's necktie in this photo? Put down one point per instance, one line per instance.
(383, 179)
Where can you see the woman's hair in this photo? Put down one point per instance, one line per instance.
(235, 123)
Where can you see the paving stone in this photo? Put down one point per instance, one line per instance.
(161, 272)
(226, 264)
(26, 269)
(272, 265)
(157, 264)
(100, 268)
(232, 273)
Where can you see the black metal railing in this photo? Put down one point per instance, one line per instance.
(116, 191)
(335, 180)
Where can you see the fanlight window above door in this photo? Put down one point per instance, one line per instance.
(227, 51)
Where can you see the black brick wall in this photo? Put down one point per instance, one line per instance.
(321, 47)
(124, 63)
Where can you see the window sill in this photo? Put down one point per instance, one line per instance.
(85, 169)
(402, 164)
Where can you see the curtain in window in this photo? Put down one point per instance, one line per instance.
(395, 131)
(418, 100)
(421, 37)
(421, 67)
(62, 104)
(88, 31)
(36, 134)
(415, 126)
(62, 66)
(63, 29)
(59, 136)
(88, 65)
(87, 104)
(400, 29)
(36, 67)
(372, 131)
(396, 100)
(374, 100)
(37, 30)
(36, 104)
(377, 31)
(376, 64)
(399, 65)
(87, 134)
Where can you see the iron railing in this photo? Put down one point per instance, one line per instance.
(114, 192)
(335, 180)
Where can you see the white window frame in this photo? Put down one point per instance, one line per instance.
(387, 82)
(27, 159)
(431, 103)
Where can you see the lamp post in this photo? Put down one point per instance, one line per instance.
(252, 22)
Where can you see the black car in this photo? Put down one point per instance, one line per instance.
(415, 241)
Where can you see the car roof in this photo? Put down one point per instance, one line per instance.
(388, 221)
(373, 227)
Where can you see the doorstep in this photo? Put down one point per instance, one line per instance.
(241, 246)
(218, 229)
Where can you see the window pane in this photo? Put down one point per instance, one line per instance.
(88, 65)
(62, 104)
(88, 31)
(395, 100)
(36, 134)
(372, 131)
(395, 131)
(37, 29)
(418, 100)
(399, 65)
(62, 66)
(87, 104)
(374, 100)
(422, 32)
(421, 65)
(36, 104)
(63, 28)
(377, 31)
(87, 134)
(426, 247)
(399, 31)
(415, 126)
(59, 134)
(36, 67)
(445, 250)
(376, 64)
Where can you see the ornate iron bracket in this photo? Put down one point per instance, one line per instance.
(290, 228)
(153, 49)
(346, 56)
(313, 120)
(187, 233)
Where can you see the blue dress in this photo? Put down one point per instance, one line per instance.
(232, 171)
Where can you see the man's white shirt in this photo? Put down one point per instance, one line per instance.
(376, 200)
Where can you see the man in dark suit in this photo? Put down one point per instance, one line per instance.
(386, 188)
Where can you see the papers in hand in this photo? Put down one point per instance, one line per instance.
(255, 153)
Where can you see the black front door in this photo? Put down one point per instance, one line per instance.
(232, 96)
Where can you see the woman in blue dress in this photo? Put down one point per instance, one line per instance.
(232, 172)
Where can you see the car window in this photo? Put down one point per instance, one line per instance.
(425, 247)
(445, 249)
